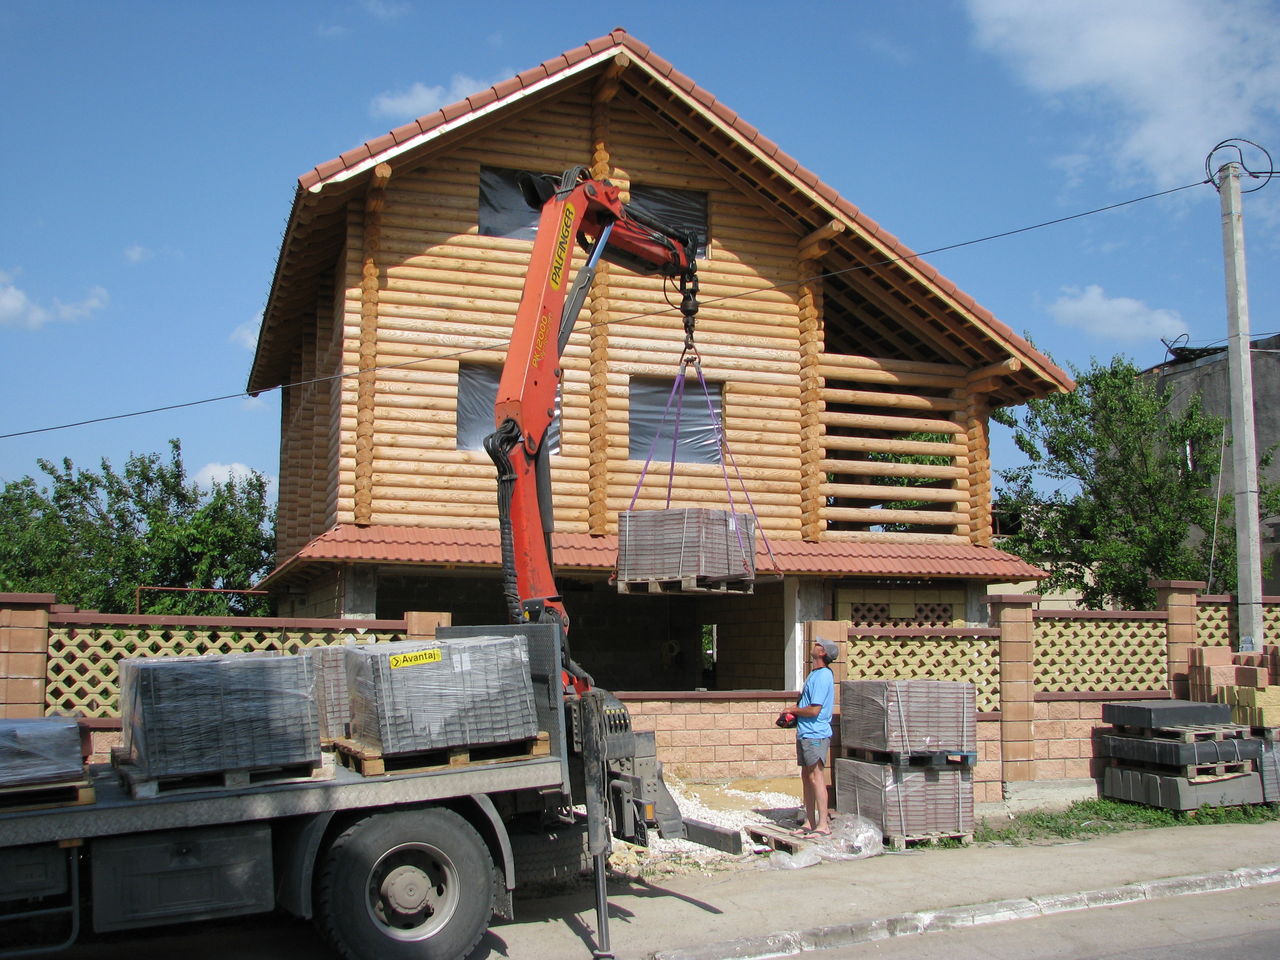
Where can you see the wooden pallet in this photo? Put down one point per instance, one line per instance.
(901, 844)
(142, 787)
(1214, 731)
(679, 585)
(777, 838)
(41, 796)
(1203, 772)
(368, 761)
(1269, 734)
(924, 759)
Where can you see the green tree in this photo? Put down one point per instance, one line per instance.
(1133, 486)
(92, 537)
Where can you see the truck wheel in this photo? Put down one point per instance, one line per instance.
(408, 885)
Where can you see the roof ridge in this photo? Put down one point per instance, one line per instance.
(620, 39)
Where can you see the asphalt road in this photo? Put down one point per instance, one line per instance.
(1236, 925)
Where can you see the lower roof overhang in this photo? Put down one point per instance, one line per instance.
(431, 548)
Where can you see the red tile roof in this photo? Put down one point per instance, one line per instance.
(618, 41)
(436, 547)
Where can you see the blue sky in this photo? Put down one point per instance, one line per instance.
(151, 151)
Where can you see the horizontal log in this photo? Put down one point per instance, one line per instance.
(876, 445)
(928, 517)
(865, 421)
(906, 401)
(881, 536)
(846, 361)
(890, 377)
(879, 492)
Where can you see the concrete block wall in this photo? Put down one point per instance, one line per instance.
(1064, 747)
(717, 736)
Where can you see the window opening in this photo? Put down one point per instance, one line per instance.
(503, 211)
(698, 440)
(682, 210)
(477, 394)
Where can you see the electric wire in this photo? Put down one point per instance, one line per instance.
(638, 316)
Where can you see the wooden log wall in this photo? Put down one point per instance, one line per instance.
(802, 424)
(872, 413)
(309, 445)
(447, 295)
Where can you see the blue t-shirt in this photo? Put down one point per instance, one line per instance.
(819, 688)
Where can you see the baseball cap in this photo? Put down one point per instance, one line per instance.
(832, 649)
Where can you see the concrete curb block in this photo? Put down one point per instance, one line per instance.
(790, 943)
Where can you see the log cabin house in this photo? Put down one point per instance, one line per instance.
(854, 381)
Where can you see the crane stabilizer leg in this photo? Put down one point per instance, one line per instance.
(599, 829)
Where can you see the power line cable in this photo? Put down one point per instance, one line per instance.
(639, 316)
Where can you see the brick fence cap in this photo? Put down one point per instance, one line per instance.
(1025, 598)
(27, 598)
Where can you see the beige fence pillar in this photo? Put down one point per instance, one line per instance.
(1179, 598)
(1013, 615)
(24, 652)
(419, 625)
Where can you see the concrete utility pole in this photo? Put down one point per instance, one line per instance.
(1244, 461)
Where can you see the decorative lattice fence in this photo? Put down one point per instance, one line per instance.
(83, 676)
(1081, 650)
(967, 654)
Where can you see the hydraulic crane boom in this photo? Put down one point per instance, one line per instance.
(574, 207)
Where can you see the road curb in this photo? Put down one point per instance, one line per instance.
(792, 942)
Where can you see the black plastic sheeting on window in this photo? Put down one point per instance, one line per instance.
(503, 211)
(477, 394)
(699, 440)
(684, 211)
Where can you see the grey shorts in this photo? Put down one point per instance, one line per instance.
(811, 751)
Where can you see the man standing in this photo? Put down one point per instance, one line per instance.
(813, 735)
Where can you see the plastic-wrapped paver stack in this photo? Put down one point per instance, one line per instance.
(1179, 755)
(910, 747)
(333, 701)
(679, 544)
(186, 716)
(419, 696)
(40, 750)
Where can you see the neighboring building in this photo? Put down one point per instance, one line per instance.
(855, 381)
(1203, 371)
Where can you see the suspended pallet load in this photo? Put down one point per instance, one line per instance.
(692, 550)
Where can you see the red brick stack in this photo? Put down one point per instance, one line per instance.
(1248, 682)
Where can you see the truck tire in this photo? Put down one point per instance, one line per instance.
(553, 854)
(406, 885)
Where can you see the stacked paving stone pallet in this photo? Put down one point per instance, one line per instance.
(700, 546)
(412, 697)
(40, 751)
(909, 749)
(1247, 682)
(333, 702)
(1180, 755)
(189, 716)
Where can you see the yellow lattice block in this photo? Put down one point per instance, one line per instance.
(965, 659)
(1213, 623)
(1100, 654)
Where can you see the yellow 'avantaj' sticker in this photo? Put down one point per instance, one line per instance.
(417, 658)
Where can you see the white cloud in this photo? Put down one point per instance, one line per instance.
(19, 310)
(1115, 318)
(212, 473)
(1161, 80)
(420, 98)
(246, 335)
(138, 253)
(385, 9)
(330, 31)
